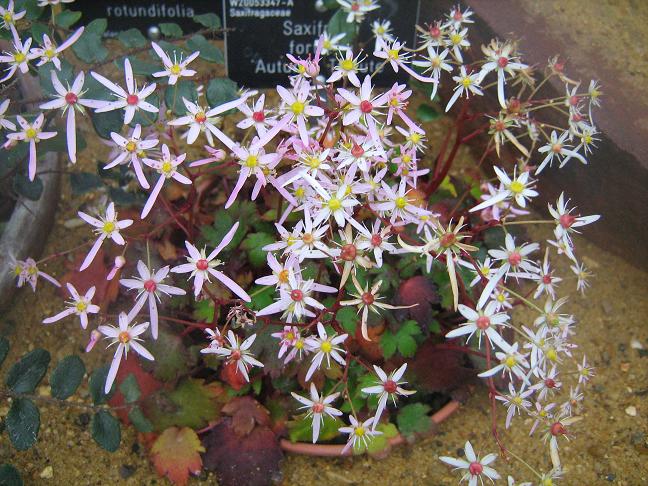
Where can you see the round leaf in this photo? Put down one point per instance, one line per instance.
(67, 377)
(97, 383)
(24, 376)
(9, 476)
(106, 431)
(31, 190)
(209, 20)
(23, 422)
(221, 90)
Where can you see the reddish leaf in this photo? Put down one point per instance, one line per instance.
(420, 292)
(94, 275)
(146, 382)
(230, 375)
(246, 413)
(252, 460)
(439, 370)
(176, 454)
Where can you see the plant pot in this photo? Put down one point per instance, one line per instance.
(26, 231)
(334, 450)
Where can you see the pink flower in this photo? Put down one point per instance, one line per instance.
(202, 266)
(167, 167)
(79, 305)
(106, 227)
(387, 387)
(31, 133)
(131, 150)
(49, 51)
(237, 353)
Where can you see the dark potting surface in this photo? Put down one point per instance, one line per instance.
(610, 446)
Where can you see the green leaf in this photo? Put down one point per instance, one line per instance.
(402, 340)
(26, 374)
(348, 318)
(97, 26)
(253, 244)
(97, 384)
(83, 182)
(132, 38)
(89, 47)
(106, 431)
(9, 476)
(204, 310)
(208, 51)
(426, 113)
(261, 299)
(67, 377)
(221, 90)
(209, 20)
(130, 389)
(171, 355)
(174, 93)
(339, 25)
(413, 419)
(37, 31)
(170, 29)
(4, 349)
(244, 212)
(389, 344)
(105, 123)
(301, 429)
(23, 423)
(65, 76)
(67, 18)
(31, 190)
(139, 420)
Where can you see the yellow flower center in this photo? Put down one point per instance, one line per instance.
(466, 82)
(415, 138)
(297, 107)
(308, 238)
(290, 336)
(517, 400)
(380, 30)
(301, 68)
(334, 204)
(7, 17)
(394, 102)
(326, 347)
(327, 44)
(547, 482)
(456, 39)
(108, 227)
(124, 337)
(291, 240)
(393, 53)
(175, 69)
(252, 161)
(500, 298)
(283, 277)
(552, 355)
(81, 306)
(30, 133)
(407, 158)
(32, 270)
(516, 187)
(359, 431)
(400, 202)
(300, 192)
(347, 65)
(510, 362)
(18, 270)
(51, 52)
(19, 57)
(167, 167)
(314, 162)
(436, 62)
(299, 344)
(131, 146)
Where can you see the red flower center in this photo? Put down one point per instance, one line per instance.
(566, 220)
(355, 7)
(236, 355)
(475, 468)
(318, 407)
(502, 62)
(546, 279)
(549, 383)
(573, 100)
(435, 32)
(297, 295)
(366, 106)
(390, 386)
(458, 15)
(202, 264)
(376, 240)
(71, 98)
(558, 429)
(132, 99)
(150, 285)
(368, 298)
(348, 252)
(448, 239)
(482, 322)
(200, 117)
(577, 117)
(357, 151)
(515, 259)
(258, 116)
(499, 126)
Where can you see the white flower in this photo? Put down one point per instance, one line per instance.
(466, 84)
(18, 59)
(514, 257)
(297, 108)
(132, 149)
(457, 41)
(347, 67)
(201, 266)
(557, 148)
(567, 222)
(434, 64)
(149, 286)
(324, 347)
(360, 433)
(106, 227)
(79, 305)
(363, 107)
(9, 16)
(126, 337)
(26, 271)
(515, 401)
(331, 43)
(131, 100)
(356, 10)
(49, 51)
(237, 353)
(167, 167)
(502, 59)
(280, 272)
(335, 202)
(4, 123)
(389, 387)
(518, 188)
(511, 362)
(318, 406)
(174, 69)
(30, 133)
(583, 276)
(482, 322)
(70, 100)
(475, 467)
(256, 116)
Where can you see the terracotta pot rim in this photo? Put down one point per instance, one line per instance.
(332, 450)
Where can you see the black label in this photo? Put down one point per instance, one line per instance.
(261, 32)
